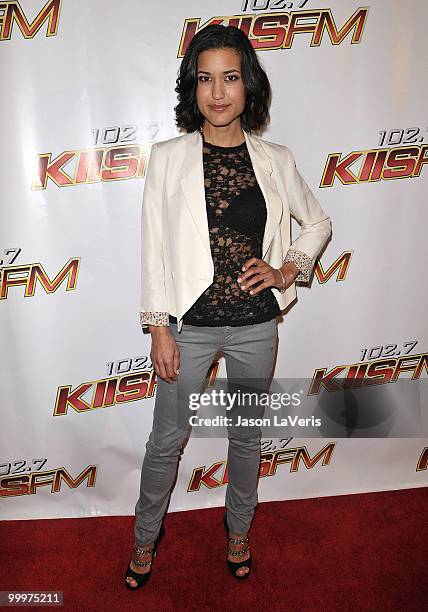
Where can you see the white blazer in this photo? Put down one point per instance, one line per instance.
(176, 259)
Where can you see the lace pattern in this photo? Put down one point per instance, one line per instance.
(236, 213)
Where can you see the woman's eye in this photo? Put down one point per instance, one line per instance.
(230, 77)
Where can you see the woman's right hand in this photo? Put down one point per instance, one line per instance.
(165, 354)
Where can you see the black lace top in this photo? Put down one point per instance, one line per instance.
(236, 212)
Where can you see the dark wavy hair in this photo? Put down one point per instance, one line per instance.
(256, 84)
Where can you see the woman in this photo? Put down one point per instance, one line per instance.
(217, 269)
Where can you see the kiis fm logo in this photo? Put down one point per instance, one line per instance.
(217, 476)
(28, 484)
(116, 160)
(11, 12)
(369, 373)
(29, 275)
(375, 165)
(277, 30)
(122, 388)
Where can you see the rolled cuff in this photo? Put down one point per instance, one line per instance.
(154, 318)
(301, 261)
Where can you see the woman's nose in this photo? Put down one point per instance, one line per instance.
(218, 89)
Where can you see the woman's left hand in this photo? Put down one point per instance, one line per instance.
(258, 271)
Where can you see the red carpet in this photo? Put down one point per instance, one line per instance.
(348, 552)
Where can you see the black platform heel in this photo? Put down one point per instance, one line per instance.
(142, 579)
(231, 564)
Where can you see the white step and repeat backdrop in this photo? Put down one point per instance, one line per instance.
(86, 88)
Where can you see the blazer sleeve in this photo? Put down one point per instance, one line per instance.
(315, 224)
(153, 307)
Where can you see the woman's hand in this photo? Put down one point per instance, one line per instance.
(165, 354)
(256, 270)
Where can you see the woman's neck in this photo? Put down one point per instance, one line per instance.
(227, 136)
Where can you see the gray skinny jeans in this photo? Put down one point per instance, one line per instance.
(249, 353)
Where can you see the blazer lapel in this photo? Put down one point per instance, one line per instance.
(192, 184)
(265, 177)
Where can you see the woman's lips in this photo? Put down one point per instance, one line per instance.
(221, 108)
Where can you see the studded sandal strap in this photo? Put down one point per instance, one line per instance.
(238, 540)
(141, 563)
(238, 553)
(142, 551)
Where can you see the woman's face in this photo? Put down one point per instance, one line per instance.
(220, 93)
